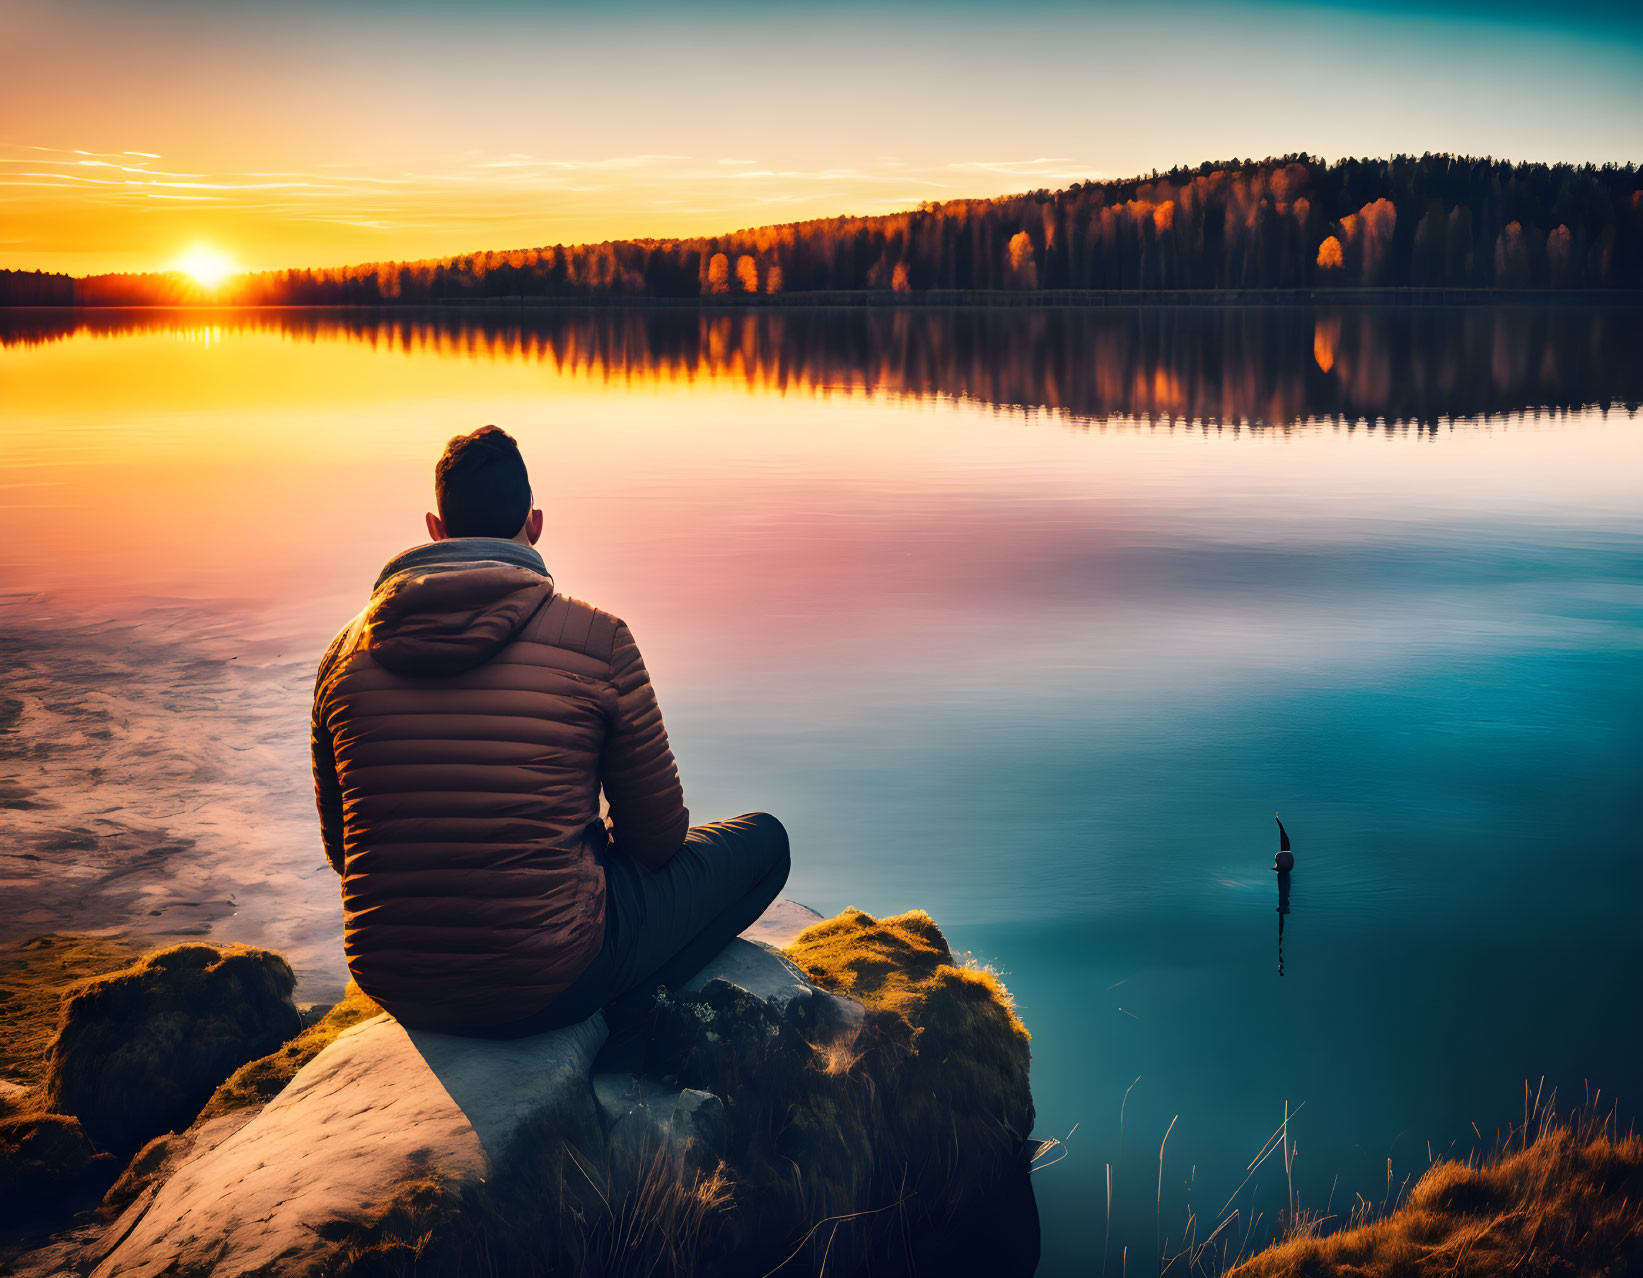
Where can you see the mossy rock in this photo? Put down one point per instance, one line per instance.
(902, 1119)
(877, 1129)
(47, 1165)
(971, 1049)
(140, 1051)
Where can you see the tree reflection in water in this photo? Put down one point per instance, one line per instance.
(1382, 367)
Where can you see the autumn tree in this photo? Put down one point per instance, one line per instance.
(718, 274)
(1426, 221)
(1023, 266)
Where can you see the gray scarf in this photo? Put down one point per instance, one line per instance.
(461, 550)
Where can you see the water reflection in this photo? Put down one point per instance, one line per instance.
(1283, 910)
(971, 663)
(1382, 367)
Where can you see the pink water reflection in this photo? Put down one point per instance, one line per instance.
(189, 513)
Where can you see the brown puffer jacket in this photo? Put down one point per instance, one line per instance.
(463, 726)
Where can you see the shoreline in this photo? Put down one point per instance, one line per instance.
(949, 299)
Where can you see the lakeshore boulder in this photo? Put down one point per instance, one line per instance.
(139, 1051)
(45, 1160)
(755, 1121)
(383, 1127)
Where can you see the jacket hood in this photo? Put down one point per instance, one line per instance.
(448, 606)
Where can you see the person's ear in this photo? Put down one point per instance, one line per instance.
(436, 528)
(533, 525)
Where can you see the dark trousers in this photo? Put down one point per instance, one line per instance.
(662, 926)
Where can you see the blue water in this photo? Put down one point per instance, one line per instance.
(1456, 759)
(1028, 620)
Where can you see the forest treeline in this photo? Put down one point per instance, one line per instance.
(1433, 221)
(1260, 366)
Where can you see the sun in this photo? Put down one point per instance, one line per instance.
(209, 266)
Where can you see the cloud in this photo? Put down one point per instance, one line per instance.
(482, 199)
(1044, 166)
(611, 162)
(96, 164)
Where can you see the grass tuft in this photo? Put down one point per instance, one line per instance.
(669, 1222)
(1558, 1196)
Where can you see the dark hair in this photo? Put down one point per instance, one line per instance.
(481, 485)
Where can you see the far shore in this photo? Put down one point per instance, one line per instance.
(954, 298)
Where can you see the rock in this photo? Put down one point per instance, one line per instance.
(139, 1051)
(781, 922)
(384, 1120)
(46, 1162)
(259, 1081)
(855, 1113)
(760, 1108)
(78, 1250)
(155, 1161)
(647, 1122)
(773, 978)
(13, 1097)
(760, 970)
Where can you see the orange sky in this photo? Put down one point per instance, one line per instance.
(294, 134)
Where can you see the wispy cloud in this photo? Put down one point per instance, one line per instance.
(1043, 166)
(490, 200)
(96, 164)
(610, 162)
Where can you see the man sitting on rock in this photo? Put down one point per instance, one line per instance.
(465, 724)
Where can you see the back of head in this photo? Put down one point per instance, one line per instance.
(481, 485)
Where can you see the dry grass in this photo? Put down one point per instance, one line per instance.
(970, 1049)
(408, 1235)
(33, 978)
(898, 964)
(258, 1082)
(665, 1225)
(1558, 1196)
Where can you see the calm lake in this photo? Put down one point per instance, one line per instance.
(1029, 618)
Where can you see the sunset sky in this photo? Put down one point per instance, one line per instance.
(297, 134)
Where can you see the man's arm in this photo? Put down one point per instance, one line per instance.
(648, 817)
(327, 789)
